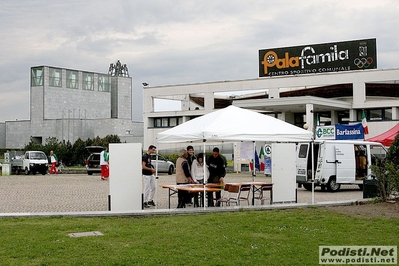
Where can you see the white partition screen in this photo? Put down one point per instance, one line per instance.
(125, 178)
(283, 172)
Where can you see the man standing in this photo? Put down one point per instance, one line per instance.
(148, 172)
(104, 159)
(53, 160)
(191, 157)
(217, 172)
(183, 176)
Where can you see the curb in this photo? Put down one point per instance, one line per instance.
(163, 212)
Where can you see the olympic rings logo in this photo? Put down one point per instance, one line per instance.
(363, 62)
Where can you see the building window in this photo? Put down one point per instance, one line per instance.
(36, 76)
(88, 81)
(104, 83)
(158, 122)
(375, 114)
(343, 117)
(72, 79)
(299, 119)
(173, 122)
(167, 121)
(55, 77)
(388, 114)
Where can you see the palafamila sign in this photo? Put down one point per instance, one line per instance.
(318, 58)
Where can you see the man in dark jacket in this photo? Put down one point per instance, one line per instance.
(191, 157)
(148, 172)
(217, 171)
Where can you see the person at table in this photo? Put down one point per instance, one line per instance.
(197, 169)
(183, 176)
(190, 158)
(217, 172)
(197, 173)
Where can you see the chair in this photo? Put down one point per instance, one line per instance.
(243, 192)
(225, 196)
(260, 195)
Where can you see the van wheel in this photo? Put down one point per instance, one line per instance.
(171, 170)
(332, 185)
(307, 186)
(26, 171)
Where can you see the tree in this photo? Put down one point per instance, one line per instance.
(75, 154)
(34, 146)
(387, 171)
(79, 152)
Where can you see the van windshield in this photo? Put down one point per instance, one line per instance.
(38, 156)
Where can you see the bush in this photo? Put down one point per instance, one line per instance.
(172, 157)
(387, 171)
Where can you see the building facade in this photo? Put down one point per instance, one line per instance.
(70, 104)
(334, 97)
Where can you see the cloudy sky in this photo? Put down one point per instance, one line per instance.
(175, 41)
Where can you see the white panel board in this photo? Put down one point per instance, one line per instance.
(125, 178)
(283, 172)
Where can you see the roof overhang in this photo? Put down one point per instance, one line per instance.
(294, 104)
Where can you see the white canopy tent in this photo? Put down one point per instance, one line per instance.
(234, 124)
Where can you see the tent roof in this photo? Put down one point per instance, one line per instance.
(235, 124)
(387, 137)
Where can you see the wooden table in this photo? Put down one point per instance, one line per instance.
(190, 188)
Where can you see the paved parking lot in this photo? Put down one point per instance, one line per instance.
(84, 193)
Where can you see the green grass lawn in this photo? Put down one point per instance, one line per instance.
(272, 237)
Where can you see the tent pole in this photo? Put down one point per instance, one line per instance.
(204, 164)
(156, 175)
(313, 171)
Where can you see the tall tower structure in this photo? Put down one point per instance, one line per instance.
(121, 93)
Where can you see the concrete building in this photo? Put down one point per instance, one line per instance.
(335, 97)
(70, 104)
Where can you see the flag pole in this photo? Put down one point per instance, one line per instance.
(253, 165)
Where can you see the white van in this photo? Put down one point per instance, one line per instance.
(336, 162)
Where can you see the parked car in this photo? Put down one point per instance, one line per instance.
(164, 166)
(93, 161)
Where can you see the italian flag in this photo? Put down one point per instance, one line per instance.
(364, 123)
(262, 164)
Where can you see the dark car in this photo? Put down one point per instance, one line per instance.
(93, 161)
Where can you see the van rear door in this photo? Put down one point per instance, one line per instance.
(302, 162)
(345, 163)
